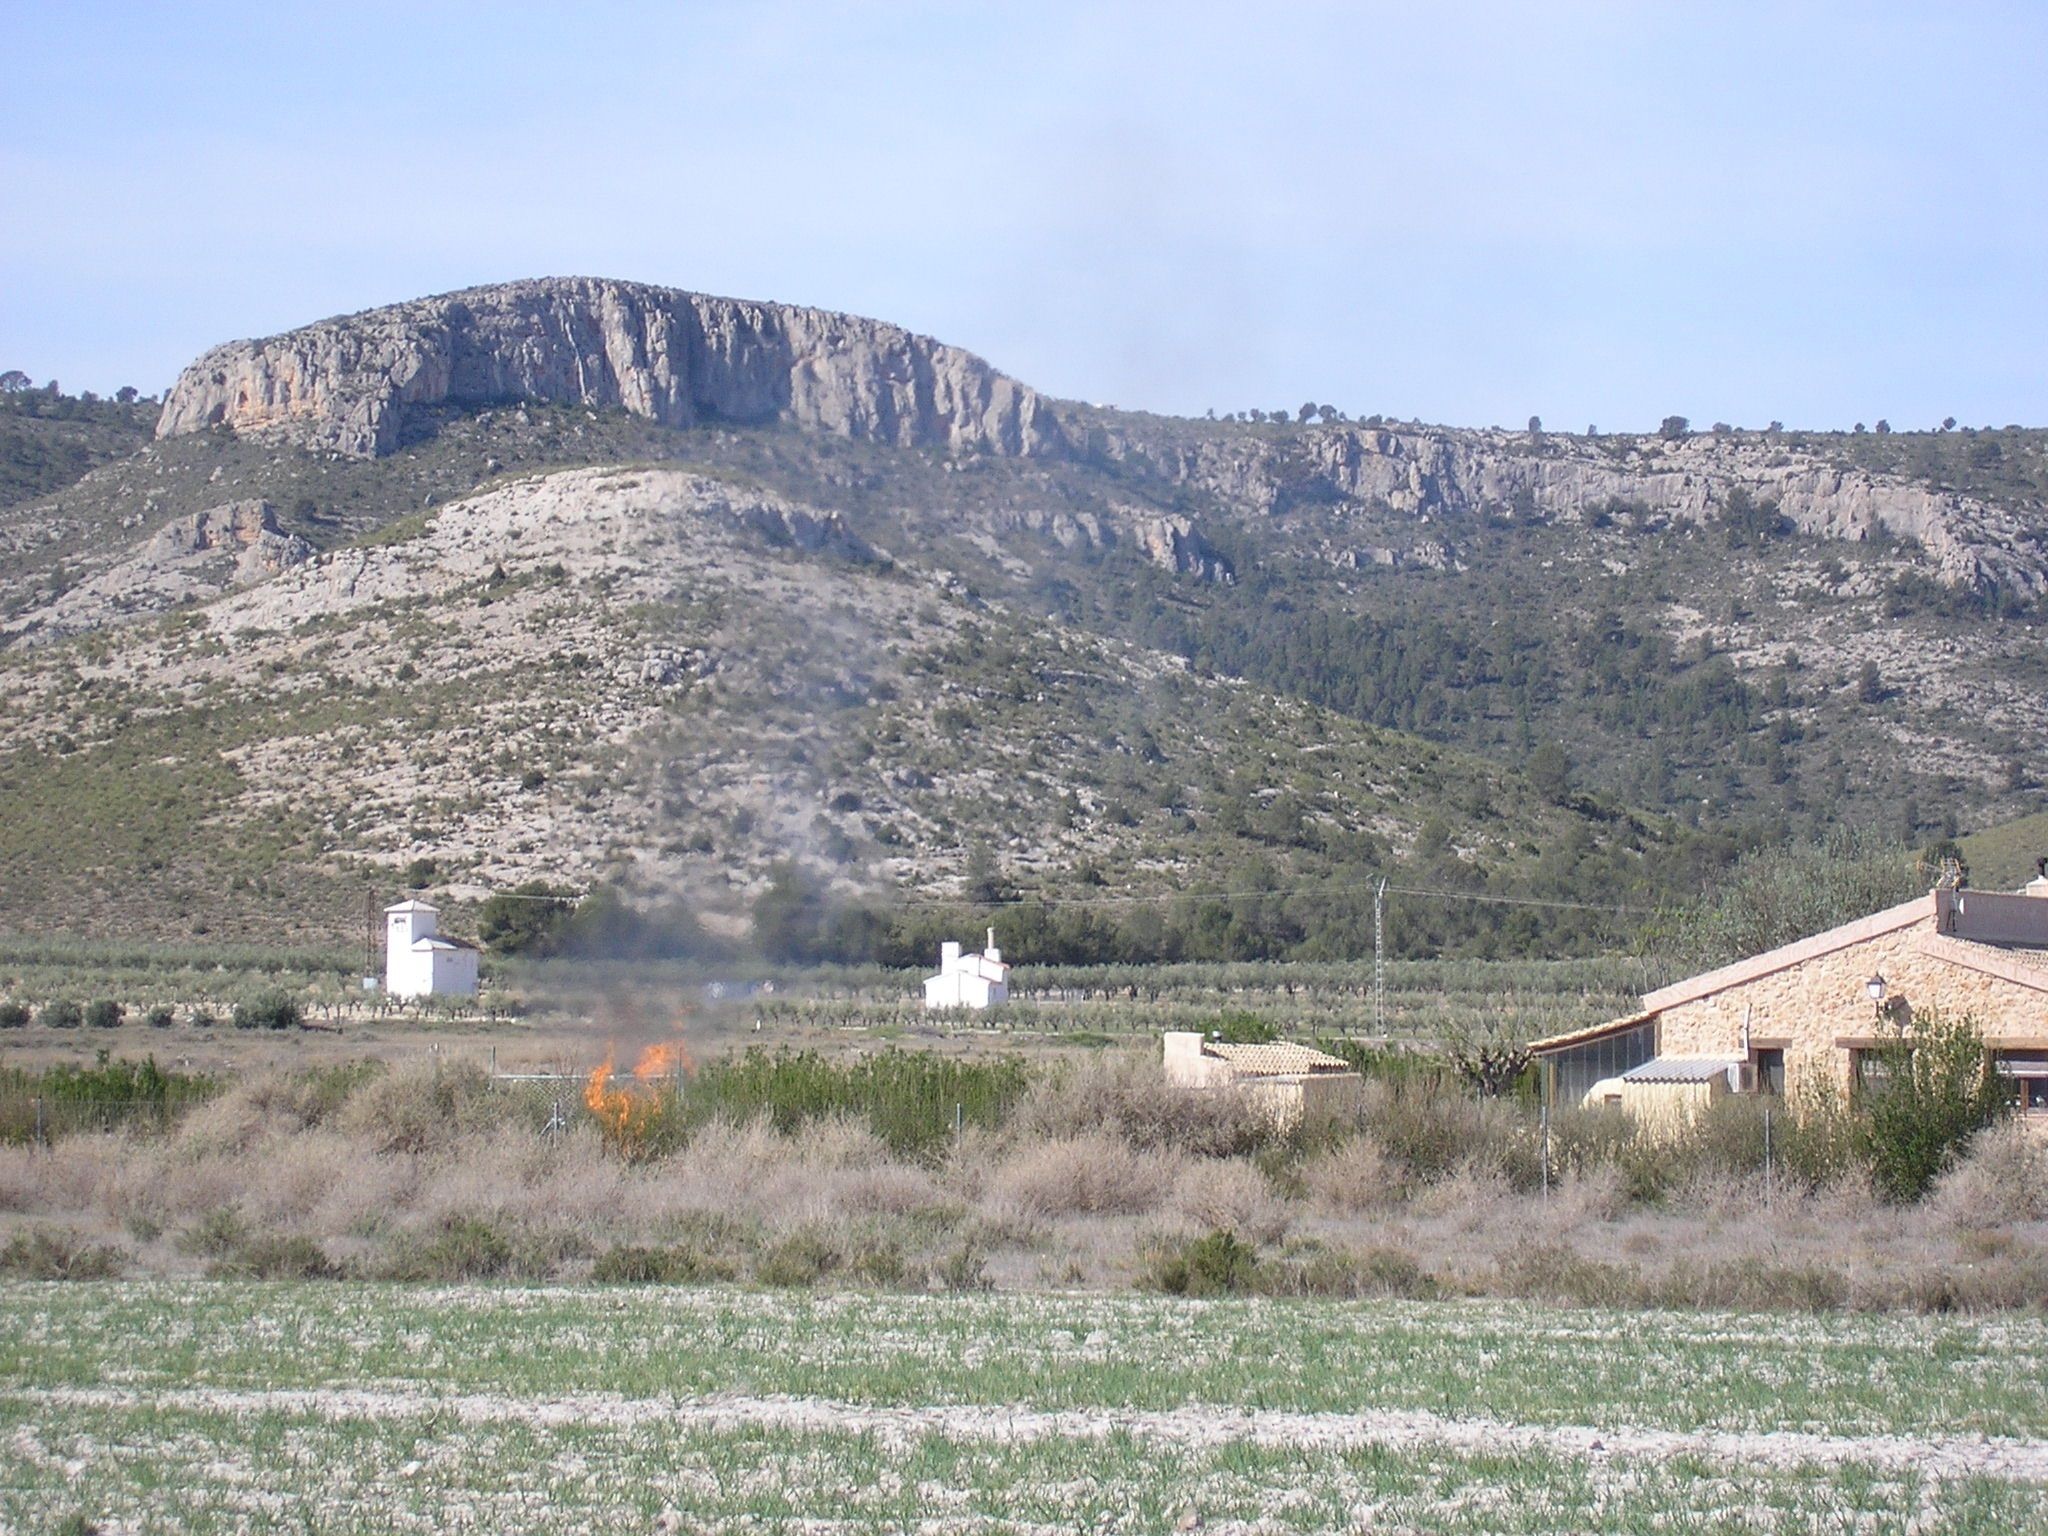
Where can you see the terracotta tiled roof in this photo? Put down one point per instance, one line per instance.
(1277, 1059)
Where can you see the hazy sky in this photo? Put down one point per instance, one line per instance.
(1602, 213)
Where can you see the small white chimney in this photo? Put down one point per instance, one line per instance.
(992, 953)
(949, 955)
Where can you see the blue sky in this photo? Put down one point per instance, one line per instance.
(1600, 213)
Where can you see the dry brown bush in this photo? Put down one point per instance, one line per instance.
(1231, 1195)
(299, 1175)
(2003, 1179)
(1090, 1174)
(421, 1106)
(1471, 1195)
(425, 1171)
(1430, 1134)
(230, 1123)
(1124, 1096)
(1590, 1195)
(512, 1176)
(891, 1189)
(1352, 1178)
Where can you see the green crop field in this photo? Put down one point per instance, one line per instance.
(334, 1408)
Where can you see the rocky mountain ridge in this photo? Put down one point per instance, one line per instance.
(354, 384)
(674, 357)
(1433, 473)
(735, 583)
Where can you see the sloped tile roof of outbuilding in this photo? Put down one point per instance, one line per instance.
(1276, 1059)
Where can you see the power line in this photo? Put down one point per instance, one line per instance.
(1160, 897)
(1300, 890)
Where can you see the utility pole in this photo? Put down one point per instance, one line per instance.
(1379, 958)
(371, 929)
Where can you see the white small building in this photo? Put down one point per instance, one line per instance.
(419, 961)
(968, 981)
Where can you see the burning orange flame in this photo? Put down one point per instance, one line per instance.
(624, 1113)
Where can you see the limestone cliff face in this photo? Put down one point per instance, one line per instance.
(1449, 474)
(678, 358)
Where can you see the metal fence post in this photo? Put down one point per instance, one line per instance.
(1770, 1172)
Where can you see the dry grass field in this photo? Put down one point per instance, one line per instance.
(223, 1407)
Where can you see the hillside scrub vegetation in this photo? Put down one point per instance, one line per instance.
(1601, 704)
(1784, 892)
(800, 1172)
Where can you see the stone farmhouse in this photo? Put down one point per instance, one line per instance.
(968, 981)
(420, 960)
(1818, 1009)
(1288, 1083)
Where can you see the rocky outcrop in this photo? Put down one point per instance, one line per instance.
(1168, 540)
(190, 559)
(246, 530)
(1437, 473)
(679, 358)
(1174, 543)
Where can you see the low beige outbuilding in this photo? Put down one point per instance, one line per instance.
(1289, 1083)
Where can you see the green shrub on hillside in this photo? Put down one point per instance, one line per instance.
(273, 1010)
(104, 1013)
(62, 1014)
(1779, 894)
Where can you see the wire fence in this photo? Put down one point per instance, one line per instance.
(37, 1108)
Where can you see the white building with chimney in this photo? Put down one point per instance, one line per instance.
(968, 981)
(421, 961)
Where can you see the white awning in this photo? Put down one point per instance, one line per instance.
(1679, 1069)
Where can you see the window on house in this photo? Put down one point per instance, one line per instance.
(2025, 1074)
(1871, 1071)
(1770, 1071)
(1574, 1071)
